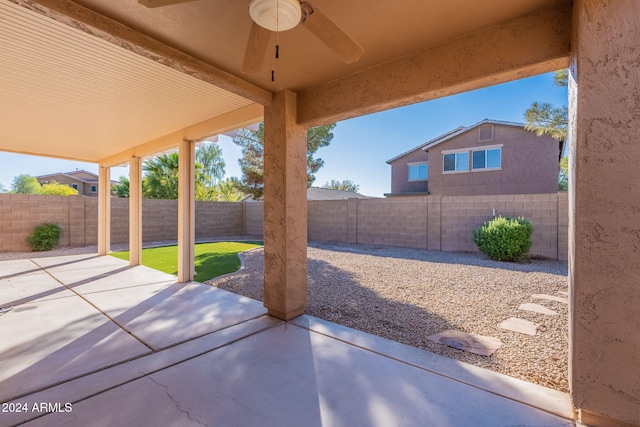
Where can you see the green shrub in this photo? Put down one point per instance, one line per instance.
(44, 237)
(504, 239)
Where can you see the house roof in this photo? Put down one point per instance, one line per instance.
(452, 134)
(317, 193)
(75, 175)
(419, 147)
(445, 138)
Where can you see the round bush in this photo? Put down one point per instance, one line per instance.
(504, 239)
(44, 237)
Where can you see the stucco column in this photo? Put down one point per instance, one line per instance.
(604, 212)
(135, 211)
(186, 211)
(285, 209)
(104, 210)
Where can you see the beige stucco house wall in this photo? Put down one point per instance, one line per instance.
(527, 163)
(85, 182)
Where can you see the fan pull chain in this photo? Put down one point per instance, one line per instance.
(273, 63)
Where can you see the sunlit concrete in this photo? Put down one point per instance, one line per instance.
(131, 346)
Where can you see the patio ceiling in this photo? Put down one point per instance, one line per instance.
(100, 80)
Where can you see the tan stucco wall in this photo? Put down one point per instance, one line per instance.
(604, 227)
(400, 173)
(83, 188)
(529, 165)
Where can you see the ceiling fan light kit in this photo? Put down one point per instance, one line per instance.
(271, 17)
(275, 15)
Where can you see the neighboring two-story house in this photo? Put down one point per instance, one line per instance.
(487, 158)
(85, 182)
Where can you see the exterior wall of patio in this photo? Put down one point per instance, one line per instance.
(427, 222)
(604, 267)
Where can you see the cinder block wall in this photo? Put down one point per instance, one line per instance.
(254, 218)
(78, 218)
(397, 221)
(218, 219)
(327, 220)
(159, 220)
(429, 222)
(432, 222)
(461, 215)
(21, 213)
(563, 226)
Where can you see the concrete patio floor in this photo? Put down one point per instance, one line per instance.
(94, 342)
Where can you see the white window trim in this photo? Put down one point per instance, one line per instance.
(417, 164)
(486, 148)
(457, 150)
(470, 150)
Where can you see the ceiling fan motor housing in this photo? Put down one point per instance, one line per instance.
(275, 15)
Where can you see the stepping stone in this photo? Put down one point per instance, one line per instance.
(537, 308)
(519, 325)
(551, 298)
(473, 343)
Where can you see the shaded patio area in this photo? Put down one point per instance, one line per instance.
(101, 343)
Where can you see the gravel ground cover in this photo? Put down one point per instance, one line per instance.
(406, 295)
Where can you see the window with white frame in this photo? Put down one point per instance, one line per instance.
(456, 162)
(490, 158)
(418, 171)
(74, 186)
(94, 188)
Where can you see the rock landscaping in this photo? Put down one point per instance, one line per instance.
(409, 295)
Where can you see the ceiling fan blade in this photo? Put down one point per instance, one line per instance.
(256, 50)
(329, 33)
(158, 3)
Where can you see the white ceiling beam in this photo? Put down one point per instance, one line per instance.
(91, 22)
(242, 117)
(526, 46)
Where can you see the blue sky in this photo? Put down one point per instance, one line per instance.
(361, 146)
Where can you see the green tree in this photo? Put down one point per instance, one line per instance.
(545, 119)
(121, 189)
(2, 188)
(563, 179)
(346, 185)
(161, 178)
(56, 189)
(227, 191)
(209, 155)
(25, 184)
(252, 162)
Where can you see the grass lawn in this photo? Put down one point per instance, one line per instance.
(211, 259)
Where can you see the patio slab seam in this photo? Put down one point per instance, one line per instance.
(96, 308)
(553, 401)
(125, 372)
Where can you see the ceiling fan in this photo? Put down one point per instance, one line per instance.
(272, 16)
